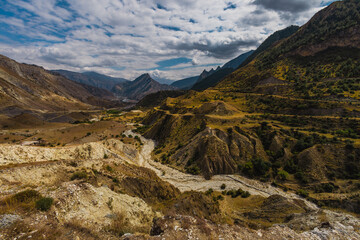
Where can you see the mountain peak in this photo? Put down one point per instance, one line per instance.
(147, 75)
(144, 78)
(140, 87)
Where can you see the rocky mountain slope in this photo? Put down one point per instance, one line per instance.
(275, 37)
(208, 78)
(140, 87)
(211, 78)
(186, 83)
(92, 79)
(315, 62)
(236, 62)
(31, 87)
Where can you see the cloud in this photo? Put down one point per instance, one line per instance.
(123, 37)
(286, 5)
(222, 49)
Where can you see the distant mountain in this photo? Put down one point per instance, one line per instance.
(163, 81)
(186, 83)
(29, 87)
(235, 63)
(92, 79)
(140, 87)
(206, 74)
(189, 83)
(211, 78)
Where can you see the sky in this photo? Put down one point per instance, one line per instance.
(170, 39)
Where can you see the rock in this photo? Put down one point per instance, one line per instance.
(8, 219)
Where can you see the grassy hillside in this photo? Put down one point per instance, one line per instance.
(319, 60)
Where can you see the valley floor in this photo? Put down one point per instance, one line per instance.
(107, 189)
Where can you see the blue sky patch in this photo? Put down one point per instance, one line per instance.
(230, 6)
(172, 28)
(159, 6)
(173, 62)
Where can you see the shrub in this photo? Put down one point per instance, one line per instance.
(303, 193)
(220, 197)
(24, 200)
(245, 194)
(26, 196)
(223, 186)
(283, 175)
(209, 191)
(236, 193)
(44, 204)
(194, 170)
(78, 175)
(301, 177)
(325, 187)
(256, 167)
(109, 168)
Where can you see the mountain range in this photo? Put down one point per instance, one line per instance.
(25, 86)
(92, 79)
(122, 88)
(202, 82)
(209, 79)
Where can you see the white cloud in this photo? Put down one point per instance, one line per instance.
(105, 35)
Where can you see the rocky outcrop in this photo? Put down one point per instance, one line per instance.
(17, 154)
(95, 207)
(218, 152)
(328, 161)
